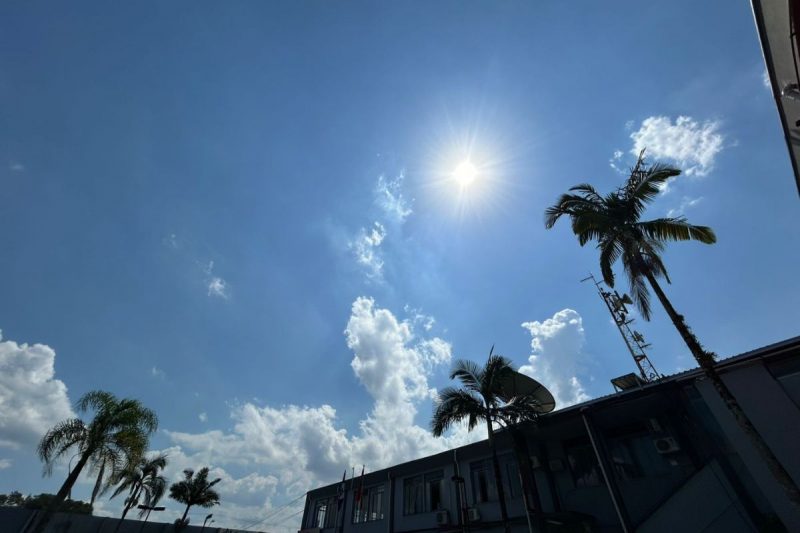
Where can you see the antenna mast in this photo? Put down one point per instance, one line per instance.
(633, 339)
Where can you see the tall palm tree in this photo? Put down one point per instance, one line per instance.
(614, 222)
(142, 479)
(194, 490)
(481, 399)
(117, 435)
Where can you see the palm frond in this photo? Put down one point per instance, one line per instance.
(96, 400)
(497, 369)
(468, 373)
(610, 250)
(677, 229)
(456, 405)
(58, 440)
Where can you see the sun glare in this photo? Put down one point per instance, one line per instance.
(465, 173)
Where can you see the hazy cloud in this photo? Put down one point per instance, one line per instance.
(685, 204)
(389, 196)
(366, 249)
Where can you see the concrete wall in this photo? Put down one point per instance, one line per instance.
(13, 520)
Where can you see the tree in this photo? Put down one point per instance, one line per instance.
(614, 222)
(194, 490)
(117, 435)
(481, 399)
(43, 501)
(141, 479)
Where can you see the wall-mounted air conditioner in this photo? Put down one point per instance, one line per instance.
(442, 518)
(665, 445)
(473, 515)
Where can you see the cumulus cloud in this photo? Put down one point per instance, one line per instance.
(556, 356)
(685, 204)
(689, 143)
(32, 399)
(366, 249)
(389, 197)
(304, 446)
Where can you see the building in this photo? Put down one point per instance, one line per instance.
(664, 456)
(777, 22)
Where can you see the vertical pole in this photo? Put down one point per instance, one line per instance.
(608, 473)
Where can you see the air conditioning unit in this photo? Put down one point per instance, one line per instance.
(473, 515)
(666, 445)
(442, 518)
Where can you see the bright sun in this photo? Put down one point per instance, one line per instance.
(465, 173)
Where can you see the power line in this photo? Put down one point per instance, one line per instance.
(274, 512)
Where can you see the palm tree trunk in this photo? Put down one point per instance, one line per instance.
(134, 495)
(706, 362)
(186, 512)
(44, 518)
(498, 480)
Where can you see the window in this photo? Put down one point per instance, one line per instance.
(583, 465)
(434, 488)
(423, 493)
(324, 513)
(370, 506)
(623, 459)
(483, 487)
(513, 486)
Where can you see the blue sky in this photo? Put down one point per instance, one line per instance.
(242, 215)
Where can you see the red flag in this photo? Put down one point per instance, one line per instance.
(360, 488)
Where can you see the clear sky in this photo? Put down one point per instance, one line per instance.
(243, 214)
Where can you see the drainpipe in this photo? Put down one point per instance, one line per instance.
(461, 494)
(390, 521)
(608, 473)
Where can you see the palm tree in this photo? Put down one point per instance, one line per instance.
(118, 434)
(614, 221)
(482, 400)
(142, 479)
(194, 490)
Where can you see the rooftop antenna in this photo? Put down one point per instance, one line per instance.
(633, 339)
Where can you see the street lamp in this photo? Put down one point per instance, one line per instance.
(148, 508)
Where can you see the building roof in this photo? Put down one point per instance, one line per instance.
(774, 22)
(777, 349)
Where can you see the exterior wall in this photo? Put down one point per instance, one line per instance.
(13, 520)
(709, 480)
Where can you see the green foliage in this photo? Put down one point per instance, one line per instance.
(142, 481)
(195, 489)
(117, 435)
(481, 398)
(43, 501)
(614, 222)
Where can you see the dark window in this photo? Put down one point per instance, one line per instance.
(434, 487)
(583, 465)
(370, 506)
(513, 485)
(413, 495)
(482, 477)
(324, 513)
(423, 493)
(623, 458)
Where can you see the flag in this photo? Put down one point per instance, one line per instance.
(340, 495)
(360, 488)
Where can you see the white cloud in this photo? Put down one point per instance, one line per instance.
(216, 285)
(16, 167)
(203, 417)
(691, 144)
(157, 373)
(765, 79)
(31, 399)
(685, 204)
(614, 161)
(5, 463)
(556, 356)
(389, 197)
(301, 446)
(366, 249)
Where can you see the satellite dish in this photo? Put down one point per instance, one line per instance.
(517, 384)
